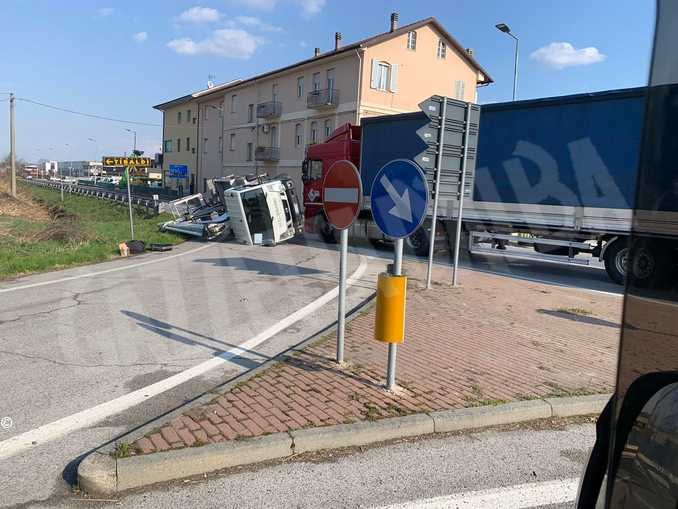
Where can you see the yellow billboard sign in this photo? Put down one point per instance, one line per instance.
(127, 162)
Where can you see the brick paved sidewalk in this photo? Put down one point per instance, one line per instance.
(494, 339)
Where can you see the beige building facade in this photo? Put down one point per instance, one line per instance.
(265, 123)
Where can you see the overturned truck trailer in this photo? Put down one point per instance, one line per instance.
(259, 210)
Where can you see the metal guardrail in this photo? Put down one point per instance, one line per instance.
(97, 192)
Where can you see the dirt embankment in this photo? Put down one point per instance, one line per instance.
(59, 224)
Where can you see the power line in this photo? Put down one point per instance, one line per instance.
(90, 115)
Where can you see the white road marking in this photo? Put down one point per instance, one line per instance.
(511, 497)
(341, 195)
(91, 416)
(100, 272)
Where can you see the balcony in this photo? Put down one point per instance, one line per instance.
(322, 99)
(267, 154)
(270, 109)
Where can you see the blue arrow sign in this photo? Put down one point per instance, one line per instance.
(399, 199)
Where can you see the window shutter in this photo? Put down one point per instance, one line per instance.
(393, 83)
(375, 74)
(461, 90)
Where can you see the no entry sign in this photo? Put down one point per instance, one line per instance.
(342, 191)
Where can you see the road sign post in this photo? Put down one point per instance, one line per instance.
(399, 202)
(462, 189)
(451, 137)
(436, 195)
(342, 191)
(129, 203)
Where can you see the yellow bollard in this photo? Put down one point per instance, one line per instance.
(389, 324)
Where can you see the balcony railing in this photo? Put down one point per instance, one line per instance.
(326, 98)
(267, 154)
(270, 109)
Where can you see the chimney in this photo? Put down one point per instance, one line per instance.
(394, 21)
(316, 52)
(337, 40)
(469, 51)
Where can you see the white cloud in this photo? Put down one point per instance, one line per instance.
(559, 55)
(310, 7)
(105, 11)
(140, 36)
(262, 5)
(199, 15)
(226, 42)
(254, 22)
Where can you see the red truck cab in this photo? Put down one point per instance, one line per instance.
(343, 144)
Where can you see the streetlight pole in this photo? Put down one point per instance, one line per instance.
(503, 27)
(135, 138)
(12, 146)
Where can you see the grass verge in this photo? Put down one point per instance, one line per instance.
(78, 231)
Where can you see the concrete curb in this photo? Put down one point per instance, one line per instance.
(102, 474)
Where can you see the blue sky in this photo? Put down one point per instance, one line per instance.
(119, 58)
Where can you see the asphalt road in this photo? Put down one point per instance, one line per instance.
(520, 468)
(72, 342)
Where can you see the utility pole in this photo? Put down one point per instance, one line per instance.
(12, 145)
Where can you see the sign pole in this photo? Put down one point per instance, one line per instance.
(343, 260)
(393, 347)
(129, 203)
(342, 192)
(462, 190)
(434, 216)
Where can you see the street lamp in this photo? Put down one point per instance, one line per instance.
(135, 137)
(503, 27)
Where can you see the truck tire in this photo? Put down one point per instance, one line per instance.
(616, 260)
(650, 264)
(418, 243)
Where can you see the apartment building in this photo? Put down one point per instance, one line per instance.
(264, 123)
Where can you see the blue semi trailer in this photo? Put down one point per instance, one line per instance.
(557, 174)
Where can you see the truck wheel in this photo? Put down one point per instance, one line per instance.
(616, 260)
(418, 243)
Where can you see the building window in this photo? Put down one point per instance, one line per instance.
(314, 132)
(178, 117)
(459, 90)
(300, 86)
(231, 142)
(234, 103)
(204, 112)
(412, 40)
(442, 49)
(204, 146)
(316, 81)
(330, 79)
(188, 115)
(328, 128)
(178, 144)
(382, 75)
(298, 135)
(188, 144)
(250, 149)
(167, 146)
(274, 92)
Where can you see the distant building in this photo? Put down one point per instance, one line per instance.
(264, 123)
(79, 168)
